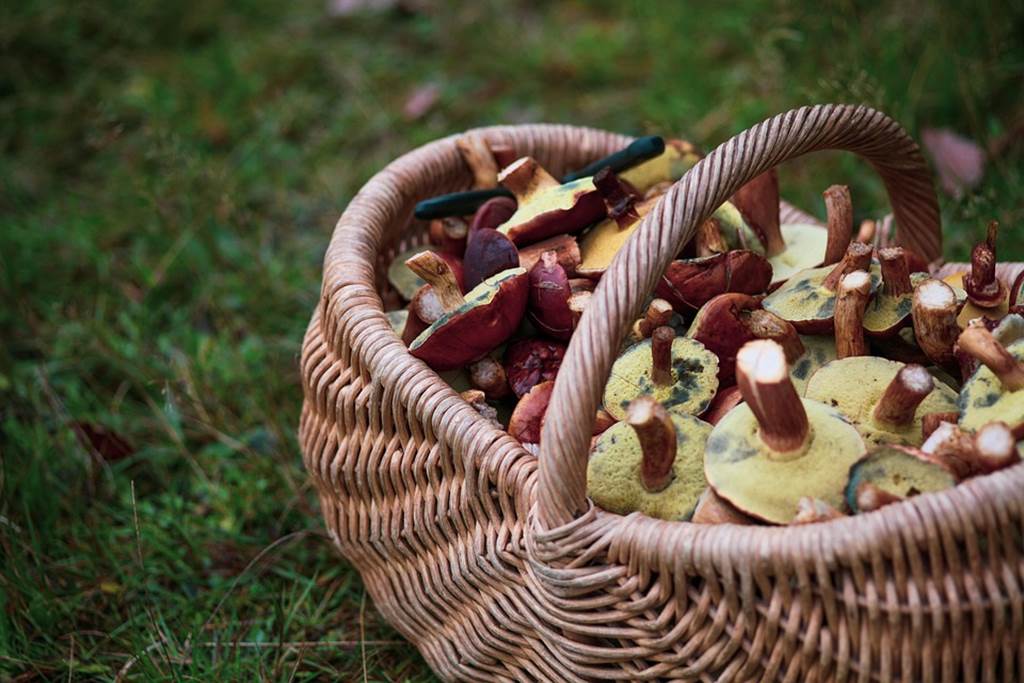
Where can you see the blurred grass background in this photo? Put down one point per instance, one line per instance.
(170, 175)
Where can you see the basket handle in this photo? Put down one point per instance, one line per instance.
(565, 441)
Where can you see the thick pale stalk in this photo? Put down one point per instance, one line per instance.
(995, 447)
(524, 177)
(766, 325)
(438, 274)
(934, 314)
(658, 314)
(479, 158)
(709, 238)
(857, 257)
(661, 355)
(839, 208)
(931, 421)
(851, 301)
(657, 436)
(895, 273)
(763, 378)
(979, 343)
(488, 375)
(899, 403)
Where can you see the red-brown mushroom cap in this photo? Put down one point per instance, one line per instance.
(690, 283)
(531, 361)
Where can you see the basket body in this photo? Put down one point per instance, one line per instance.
(439, 512)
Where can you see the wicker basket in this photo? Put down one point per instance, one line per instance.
(496, 566)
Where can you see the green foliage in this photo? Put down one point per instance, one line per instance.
(169, 178)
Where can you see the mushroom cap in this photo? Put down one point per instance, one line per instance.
(678, 158)
(694, 375)
(613, 473)
(805, 248)
(600, 244)
(736, 232)
(854, 386)
(899, 471)
(691, 283)
(983, 399)
(818, 350)
(886, 314)
(553, 210)
(970, 310)
(739, 468)
(491, 313)
(406, 282)
(805, 302)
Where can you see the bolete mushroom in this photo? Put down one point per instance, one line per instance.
(934, 311)
(688, 284)
(899, 471)
(678, 373)
(488, 252)
(492, 213)
(995, 392)
(550, 292)
(889, 310)
(651, 462)
(678, 157)
(624, 211)
(851, 302)
(406, 282)
(776, 448)
(818, 350)
(531, 361)
(992, 447)
(473, 325)
(528, 417)
(658, 314)
(808, 298)
(545, 206)
(884, 400)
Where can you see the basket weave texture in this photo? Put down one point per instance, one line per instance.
(495, 565)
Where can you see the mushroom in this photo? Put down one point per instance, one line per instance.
(934, 310)
(545, 206)
(531, 361)
(528, 417)
(808, 298)
(1016, 296)
(713, 509)
(678, 157)
(488, 252)
(678, 373)
(473, 325)
(549, 298)
(476, 398)
(813, 511)
(889, 310)
(995, 392)
(449, 234)
(987, 296)
(992, 447)
(651, 462)
(725, 400)
(776, 448)
(690, 283)
(624, 211)
(564, 246)
(406, 282)
(493, 213)
(658, 314)
(488, 375)
(818, 350)
(851, 301)
(884, 400)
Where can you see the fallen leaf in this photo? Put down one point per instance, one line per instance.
(420, 101)
(959, 161)
(106, 442)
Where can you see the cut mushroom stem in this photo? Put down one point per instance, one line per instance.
(895, 272)
(905, 392)
(995, 447)
(931, 421)
(479, 158)
(763, 378)
(618, 200)
(658, 314)
(871, 497)
(857, 257)
(980, 344)
(982, 287)
(813, 510)
(934, 312)
(661, 355)
(525, 176)
(436, 271)
(657, 436)
(766, 325)
(488, 375)
(839, 207)
(709, 239)
(851, 300)
(866, 233)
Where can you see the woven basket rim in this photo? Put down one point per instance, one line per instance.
(349, 290)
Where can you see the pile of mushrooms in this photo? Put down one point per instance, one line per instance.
(781, 374)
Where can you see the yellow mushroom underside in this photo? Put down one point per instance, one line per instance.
(803, 298)
(898, 473)
(613, 473)
(805, 248)
(669, 165)
(854, 385)
(982, 399)
(884, 312)
(818, 350)
(970, 311)
(694, 378)
(560, 198)
(737, 466)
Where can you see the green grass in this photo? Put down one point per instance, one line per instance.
(169, 178)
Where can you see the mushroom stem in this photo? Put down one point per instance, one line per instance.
(981, 284)
(995, 447)
(871, 497)
(813, 510)
(763, 378)
(436, 271)
(979, 343)
(839, 208)
(899, 403)
(866, 233)
(709, 238)
(766, 325)
(895, 272)
(488, 375)
(658, 314)
(479, 158)
(657, 436)
(857, 257)
(934, 314)
(851, 300)
(931, 421)
(565, 246)
(661, 355)
(618, 200)
(525, 176)
(758, 202)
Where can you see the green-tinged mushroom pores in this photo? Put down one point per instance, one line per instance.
(995, 392)
(651, 462)
(545, 206)
(899, 471)
(776, 448)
